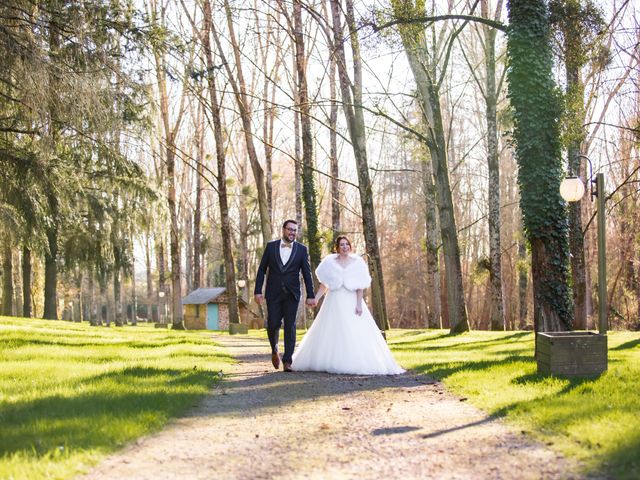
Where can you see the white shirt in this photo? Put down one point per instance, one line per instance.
(285, 253)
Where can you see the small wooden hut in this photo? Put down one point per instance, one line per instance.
(208, 309)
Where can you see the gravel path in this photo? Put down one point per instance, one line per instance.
(259, 423)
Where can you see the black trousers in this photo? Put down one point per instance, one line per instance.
(284, 307)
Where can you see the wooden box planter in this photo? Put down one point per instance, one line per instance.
(571, 353)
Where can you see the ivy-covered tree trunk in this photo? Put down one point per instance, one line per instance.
(308, 182)
(536, 104)
(522, 267)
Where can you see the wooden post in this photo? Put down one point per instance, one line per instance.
(602, 264)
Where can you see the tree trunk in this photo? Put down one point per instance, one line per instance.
(170, 133)
(51, 275)
(176, 286)
(297, 169)
(493, 159)
(225, 223)
(187, 228)
(78, 304)
(134, 296)
(269, 98)
(104, 312)
(576, 134)
(197, 214)
(7, 278)
(117, 298)
(27, 310)
(243, 227)
(336, 217)
(523, 281)
(93, 306)
(434, 306)
(532, 92)
(354, 114)
(147, 264)
(308, 180)
(576, 248)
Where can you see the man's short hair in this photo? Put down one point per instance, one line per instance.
(287, 222)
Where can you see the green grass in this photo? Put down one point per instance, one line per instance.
(71, 393)
(596, 420)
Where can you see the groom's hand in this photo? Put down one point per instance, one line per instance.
(312, 302)
(258, 299)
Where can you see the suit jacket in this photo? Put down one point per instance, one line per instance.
(284, 278)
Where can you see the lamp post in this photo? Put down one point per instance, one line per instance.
(580, 353)
(572, 189)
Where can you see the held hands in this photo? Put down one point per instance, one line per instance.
(311, 302)
(259, 299)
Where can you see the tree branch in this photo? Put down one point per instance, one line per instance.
(431, 19)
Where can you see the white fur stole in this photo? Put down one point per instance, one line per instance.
(354, 277)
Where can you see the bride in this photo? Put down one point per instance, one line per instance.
(344, 337)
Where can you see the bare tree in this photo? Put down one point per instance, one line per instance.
(225, 223)
(354, 113)
(243, 101)
(304, 106)
(424, 68)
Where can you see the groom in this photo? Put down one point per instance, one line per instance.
(282, 262)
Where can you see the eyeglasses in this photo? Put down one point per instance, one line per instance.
(292, 230)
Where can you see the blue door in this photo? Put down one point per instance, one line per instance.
(212, 316)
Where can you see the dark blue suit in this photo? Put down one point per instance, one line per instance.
(282, 292)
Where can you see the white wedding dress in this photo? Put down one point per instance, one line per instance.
(339, 341)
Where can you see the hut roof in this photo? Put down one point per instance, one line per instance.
(202, 296)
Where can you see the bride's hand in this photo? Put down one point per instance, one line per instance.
(358, 310)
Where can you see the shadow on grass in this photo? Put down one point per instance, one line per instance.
(462, 342)
(111, 409)
(627, 345)
(106, 342)
(444, 370)
(423, 337)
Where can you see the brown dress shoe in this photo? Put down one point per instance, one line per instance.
(287, 367)
(275, 360)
